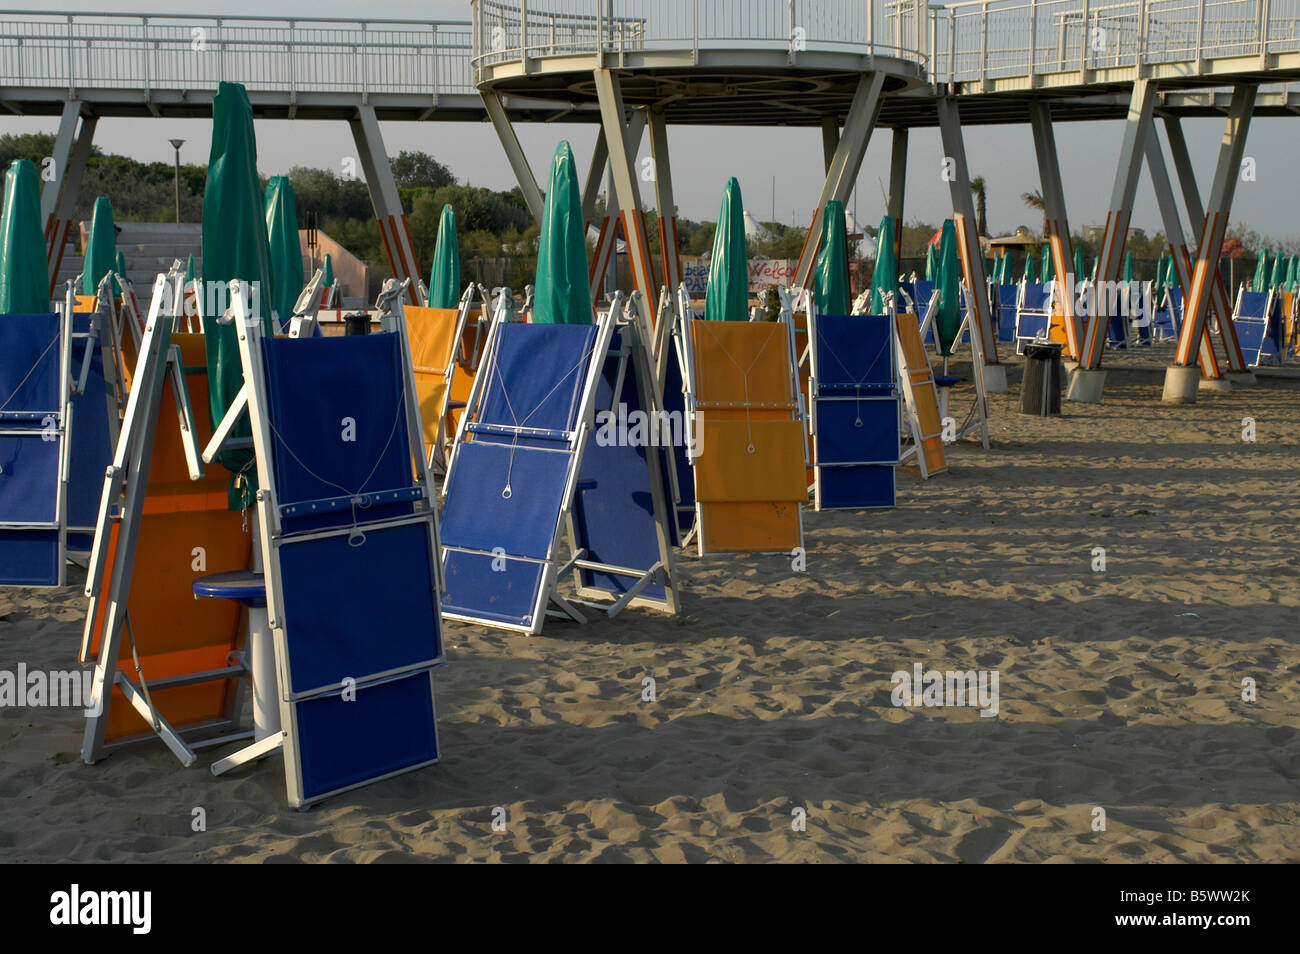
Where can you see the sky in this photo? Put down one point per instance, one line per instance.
(703, 158)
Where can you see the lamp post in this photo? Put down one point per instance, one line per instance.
(176, 144)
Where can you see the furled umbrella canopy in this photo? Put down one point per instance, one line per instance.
(191, 272)
(1128, 267)
(1049, 268)
(1260, 280)
(235, 246)
(1158, 285)
(1078, 265)
(1029, 277)
(1291, 275)
(884, 280)
(120, 269)
(444, 275)
(931, 263)
(1171, 274)
(286, 250)
(101, 247)
(1278, 276)
(831, 282)
(948, 319)
(727, 295)
(562, 292)
(327, 272)
(24, 274)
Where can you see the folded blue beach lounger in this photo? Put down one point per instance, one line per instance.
(34, 414)
(620, 525)
(349, 542)
(514, 470)
(855, 411)
(1258, 320)
(1008, 298)
(1033, 313)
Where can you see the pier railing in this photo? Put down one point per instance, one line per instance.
(995, 39)
(76, 51)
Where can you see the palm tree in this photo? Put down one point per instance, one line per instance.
(977, 186)
(1035, 201)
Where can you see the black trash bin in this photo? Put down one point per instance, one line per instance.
(1040, 391)
(357, 323)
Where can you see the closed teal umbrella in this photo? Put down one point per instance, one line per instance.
(727, 296)
(191, 272)
(1279, 271)
(948, 319)
(1171, 274)
(1049, 267)
(562, 292)
(1078, 265)
(884, 279)
(831, 281)
(1029, 277)
(24, 274)
(1291, 274)
(286, 250)
(101, 248)
(1158, 286)
(444, 275)
(327, 272)
(235, 246)
(931, 263)
(1128, 267)
(1261, 272)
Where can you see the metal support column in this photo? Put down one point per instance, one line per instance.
(1110, 259)
(618, 137)
(1219, 298)
(898, 184)
(384, 195)
(844, 165)
(1177, 241)
(1208, 247)
(514, 152)
(968, 243)
(1058, 223)
(62, 148)
(57, 238)
(669, 251)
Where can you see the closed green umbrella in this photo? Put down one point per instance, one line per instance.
(562, 292)
(831, 281)
(1171, 274)
(444, 276)
(1095, 263)
(1049, 267)
(101, 247)
(884, 279)
(1158, 286)
(1279, 271)
(120, 269)
(1078, 265)
(1029, 277)
(24, 273)
(191, 272)
(1261, 271)
(286, 251)
(235, 246)
(948, 319)
(1128, 267)
(1291, 273)
(727, 296)
(327, 272)
(931, 263)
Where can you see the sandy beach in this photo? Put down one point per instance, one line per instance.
(1119, 690)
